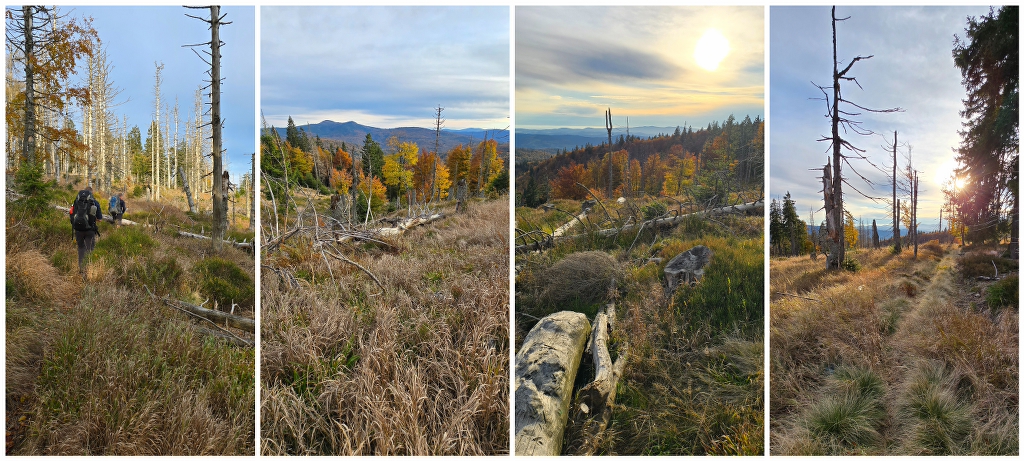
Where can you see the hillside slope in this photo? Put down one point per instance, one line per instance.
(102, 368)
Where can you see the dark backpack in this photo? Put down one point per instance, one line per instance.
(85, 211)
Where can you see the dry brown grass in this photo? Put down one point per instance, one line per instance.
(101, 368)
(420, 368)
(892, 315)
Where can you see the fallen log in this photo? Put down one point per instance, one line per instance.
(407, 224)
(546, 367)
(569, 225)
(658, 222)
(597, 398)
(106, 218)
(239, 245)
(235, 321)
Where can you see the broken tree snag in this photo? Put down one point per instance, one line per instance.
(597, 398)
(687, 267)
(546, 368)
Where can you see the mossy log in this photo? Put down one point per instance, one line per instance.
(546, 367)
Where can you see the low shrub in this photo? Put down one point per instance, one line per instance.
(225, 282)
(1003, 293)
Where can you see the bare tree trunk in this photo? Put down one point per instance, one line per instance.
(834, 180)
(913, 216)
(219, 214)
(895, 201)
(252, 194)
(611, 163)
(28, 143)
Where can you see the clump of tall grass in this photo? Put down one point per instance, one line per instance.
(848, 416)
(940, 423)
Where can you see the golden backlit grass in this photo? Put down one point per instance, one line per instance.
(98, 367)
(946, 363)
(418, 368)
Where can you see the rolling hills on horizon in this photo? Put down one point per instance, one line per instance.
(353, 134)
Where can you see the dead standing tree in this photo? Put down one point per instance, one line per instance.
(219, 209)
(611, 164)
(832, 176)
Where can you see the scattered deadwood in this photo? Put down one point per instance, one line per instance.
(546, 367)
(407, 224)
(658, 222)
(597, 398)
(240, 245)
(572, 222)
(231, 320)
(204, 314)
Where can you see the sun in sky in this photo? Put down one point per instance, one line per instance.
(711, 49)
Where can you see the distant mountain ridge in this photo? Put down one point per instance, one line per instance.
(569, 138)
(353, 134)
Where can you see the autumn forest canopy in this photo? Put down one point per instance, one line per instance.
(392, 173)
(705, 164)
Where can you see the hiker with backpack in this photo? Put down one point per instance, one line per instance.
(117, 208)
(84, 214)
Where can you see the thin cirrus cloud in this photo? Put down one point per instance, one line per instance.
(911, 68)
(386, 65)
(574, 62)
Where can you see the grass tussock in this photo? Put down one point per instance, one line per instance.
(896, 314)
(97, 367)
(419, 368)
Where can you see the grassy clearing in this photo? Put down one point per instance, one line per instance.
(100, 368)
(419, 368)
(943, 360)
(694, 380)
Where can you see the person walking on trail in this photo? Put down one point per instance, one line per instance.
(84, 214)
(116, 208)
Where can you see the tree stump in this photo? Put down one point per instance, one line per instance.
(546, 368)
(687, 267)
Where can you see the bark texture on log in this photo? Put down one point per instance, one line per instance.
(242, 323)
(546, 367)
(598, 397)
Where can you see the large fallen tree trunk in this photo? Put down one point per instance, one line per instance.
(659, 222)
(569, 225)
(546, 367)
(407, 224)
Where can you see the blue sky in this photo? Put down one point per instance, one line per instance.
(135, 37)
(385, 66)
(912, 68)
(572, 63)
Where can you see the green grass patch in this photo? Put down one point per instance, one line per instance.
(225, 282)
(731, 293)
(124, 242)
(1003, 293)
